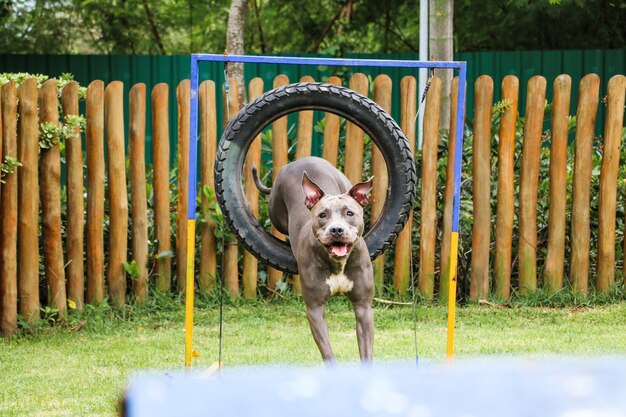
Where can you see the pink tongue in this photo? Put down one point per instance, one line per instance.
(339, 250)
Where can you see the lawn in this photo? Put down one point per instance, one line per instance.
(81, 368)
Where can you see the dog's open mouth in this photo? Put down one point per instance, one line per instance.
(339, 249)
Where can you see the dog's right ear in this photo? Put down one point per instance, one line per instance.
(312, 192)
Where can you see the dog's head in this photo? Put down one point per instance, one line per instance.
(337, 219)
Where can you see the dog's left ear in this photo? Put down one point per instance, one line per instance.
(312, 191)
(360, 192)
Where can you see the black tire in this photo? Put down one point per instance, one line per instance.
(360, 110)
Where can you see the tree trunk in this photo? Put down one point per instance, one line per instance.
(440, 46)
(234, 44)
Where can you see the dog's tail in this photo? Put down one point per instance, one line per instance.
(262, 188)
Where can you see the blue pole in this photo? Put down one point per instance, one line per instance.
(393, 63)
(191, 213)
(458, 137)
(193, 140)
(456, 201)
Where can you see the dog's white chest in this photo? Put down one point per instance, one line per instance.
(339, 284)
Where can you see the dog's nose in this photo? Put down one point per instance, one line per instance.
(336, 230)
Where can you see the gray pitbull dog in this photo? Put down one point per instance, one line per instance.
(322, 213)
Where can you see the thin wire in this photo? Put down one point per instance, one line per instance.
(221, 278)
(414, 295)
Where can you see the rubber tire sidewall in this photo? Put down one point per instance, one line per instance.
(354, 107)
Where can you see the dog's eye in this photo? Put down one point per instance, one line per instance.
(349, 213)
(322, 215)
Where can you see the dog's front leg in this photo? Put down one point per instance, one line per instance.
(319, 329)
(364, 330)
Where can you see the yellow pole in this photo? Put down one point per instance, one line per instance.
(454, 247)
(191, 233)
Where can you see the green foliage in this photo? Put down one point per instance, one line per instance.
(164, 254)
(526, 25)
(72, 126)
(49, 135)
(325, 26)
(20, 77)
(133, 270)
(49, 315)
(66, 78)
(214, 214)
(9, 165)
(500, 107)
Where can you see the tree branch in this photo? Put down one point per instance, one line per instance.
(259, 26)
(153, 27)
(326, 30)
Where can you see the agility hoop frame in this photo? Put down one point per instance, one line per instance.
(196, 59)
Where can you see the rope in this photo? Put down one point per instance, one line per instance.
(421, 102)
(227, 91)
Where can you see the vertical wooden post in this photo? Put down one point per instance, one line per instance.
(583, 150)
(94, 135)
(330, 149)
(402, 258)
(448, 198)
(183, 92)
(529, 179)
(304, 143)
(555, 257)
(118, 194)
(208, 141)
(428, 208)
(280, 149)
(161, 185)
(28, 201)
(481, 168)
(608, 183)
(305, 128)
(8, 217)
(137, 174)
(506, 190)
(75, 202)
(250, 263)
(50, 179)
(382, 96)
(230, 271)
(354, 135)
(0, 157)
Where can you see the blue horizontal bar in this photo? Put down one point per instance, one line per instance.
(327, 61)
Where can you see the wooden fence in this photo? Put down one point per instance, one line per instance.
(83, 261)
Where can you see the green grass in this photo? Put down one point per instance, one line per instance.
(60, 371)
